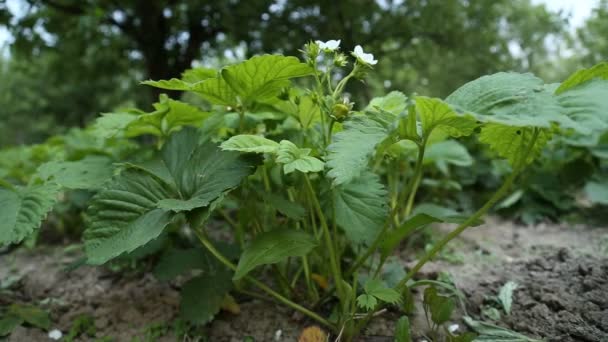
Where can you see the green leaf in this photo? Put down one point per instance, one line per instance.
(447, 152)
(137, 205)
(392, 238)
(195, 75)
(8, 323)
(309, 112)
(172, 84)
(436, 114)
(180, 261)
(587, 105)
(442, 213)
(272, 247)
(440, 307)
(505, 296)
(597, 192)
(360, 208)
(376, 288)
(350, 150)
(32, 315)
(394, 102)
(294, 158)
(250, 143)
(489, 332)
(402, 330)
(261, 78)
(88, 173)
(511, 142)
(598, 71)
(202, 296)
(513, 99)
(366, 301)
(216, 91)
(290, 209)
(22, 209)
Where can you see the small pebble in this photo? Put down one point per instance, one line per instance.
(278, 334)
(55, 334)
(453, 328)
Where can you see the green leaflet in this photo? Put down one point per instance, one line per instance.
(436, 114)
(447, 152)
(137, 205)
(351, 149)
(293, 210)
(294, 158)
(587, 105)
(272, 247)
(169, 116)
(261, 78)
(490, 332)
(440, 307)
(512, 99)
(8, 323)
(597, 192)
(505, 295)
(394, 102)
(402, 330)
(360, 208)
(376, 288)
(366, 301)
(598, 71)
(88, 173)
(189, 79)
(202, 296)
(512, 142)
(23, 208)
(250, 144)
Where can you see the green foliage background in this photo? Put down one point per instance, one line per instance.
(68, 61)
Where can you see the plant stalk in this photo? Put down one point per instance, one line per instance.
(203, 239)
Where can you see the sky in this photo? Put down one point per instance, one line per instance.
(579, 10)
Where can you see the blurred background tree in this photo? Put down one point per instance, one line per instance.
(70, 60)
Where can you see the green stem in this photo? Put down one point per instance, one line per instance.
(416, 180)
(498, 195)
(203, 239)
(335, 267)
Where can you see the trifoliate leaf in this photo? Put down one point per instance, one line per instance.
(272, 247)
(598, 71)
(394, 102)
(505, 296)
(294, 158)
(366, 301)
(22, 209)
(511, 142)
(88, 173)
(137, 205)
(350, 150)
(202, 296)
(261, 78)
(376, 288)
(436, 114)
(360, 208)
(250, 143)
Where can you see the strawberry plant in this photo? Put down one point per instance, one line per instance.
(317, 191)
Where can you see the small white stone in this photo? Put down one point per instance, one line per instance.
(278, 334)
(55, 334)
(453, 328)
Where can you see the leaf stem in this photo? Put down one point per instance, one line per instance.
(211, 248)
(335, 266)
(416, 180)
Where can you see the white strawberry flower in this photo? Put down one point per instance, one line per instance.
(330, 45)
(365, 58)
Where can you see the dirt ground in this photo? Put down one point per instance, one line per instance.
(561, 272)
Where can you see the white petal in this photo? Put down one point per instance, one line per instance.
(329, 45)
(366, 58)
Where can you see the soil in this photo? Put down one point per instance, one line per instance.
(561, 272)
